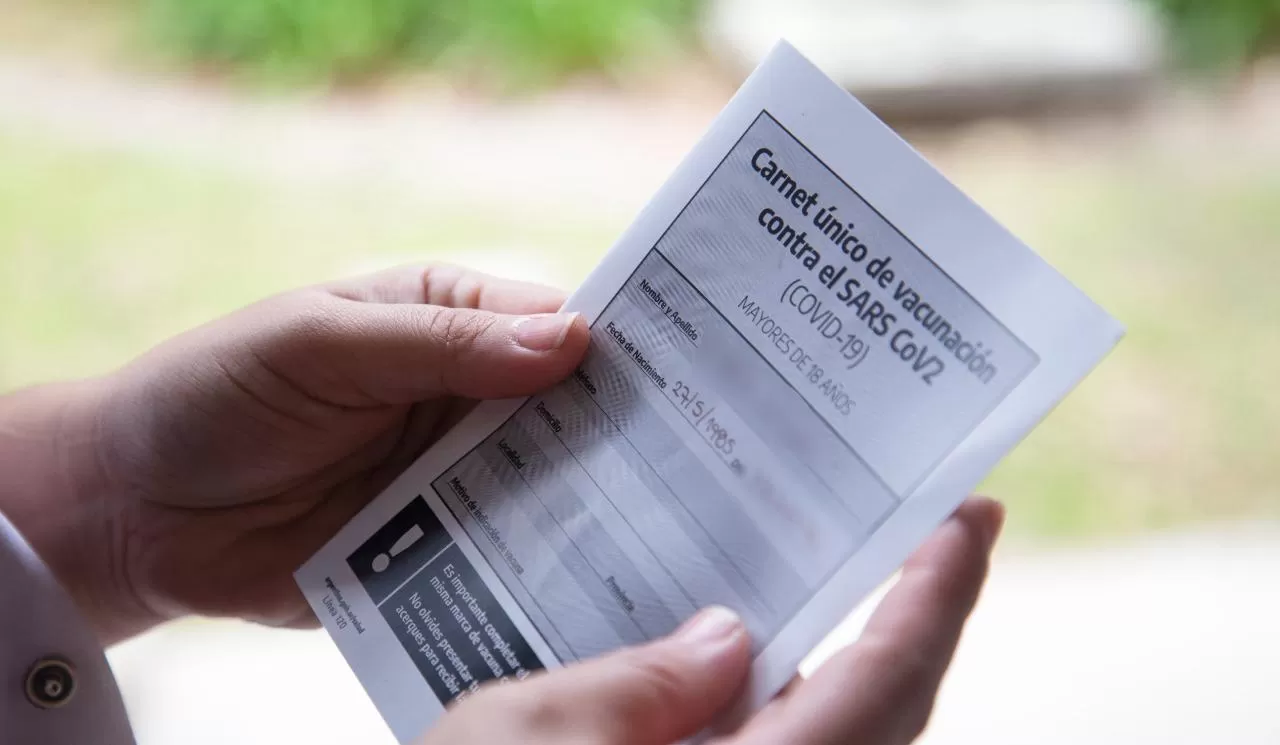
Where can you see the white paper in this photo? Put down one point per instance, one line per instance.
(771, 416)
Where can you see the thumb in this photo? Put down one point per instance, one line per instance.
(655, 694)
(406, 353)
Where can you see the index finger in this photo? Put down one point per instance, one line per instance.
(451, 287)
(880, 690)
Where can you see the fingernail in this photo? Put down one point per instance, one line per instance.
(713, 624)
(545, 332)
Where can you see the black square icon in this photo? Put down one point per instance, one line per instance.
(399, 549)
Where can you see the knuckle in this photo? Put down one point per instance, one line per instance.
(532, 711)
(316, 321)
(659, 687)
(907, 689)
(910, 666)
(467, 290)
(299, 321)
(458, 332)
(437, 277)
(917, 670)
(451, 286)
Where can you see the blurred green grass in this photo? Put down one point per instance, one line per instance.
(1179, 424)
(104, 254)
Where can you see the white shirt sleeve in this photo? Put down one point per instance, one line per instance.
(58, 688)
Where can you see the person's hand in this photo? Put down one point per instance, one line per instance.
(878, 691)
(227, 456)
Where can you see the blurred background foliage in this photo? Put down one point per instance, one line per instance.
(505, 44)
(521, 42)
(1223, 33)
(531, 42)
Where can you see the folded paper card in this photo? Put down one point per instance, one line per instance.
(805, 352)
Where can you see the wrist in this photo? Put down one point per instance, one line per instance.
(58, 494)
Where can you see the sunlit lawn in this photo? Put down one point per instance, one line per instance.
(102, 255)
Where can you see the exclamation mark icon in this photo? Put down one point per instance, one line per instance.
(382, 561)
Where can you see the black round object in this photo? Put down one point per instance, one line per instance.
(51, 682)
